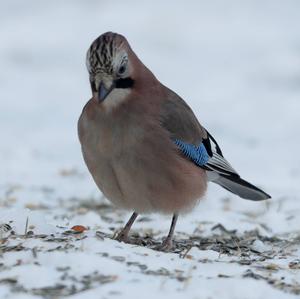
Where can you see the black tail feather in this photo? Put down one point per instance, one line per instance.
(240, 187)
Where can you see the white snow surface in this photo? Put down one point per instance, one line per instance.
(236, 63)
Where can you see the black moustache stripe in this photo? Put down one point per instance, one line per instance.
(93, 86)
(124, 83)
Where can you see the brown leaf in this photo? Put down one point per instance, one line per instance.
(79, 228)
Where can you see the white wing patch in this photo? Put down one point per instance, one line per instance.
(217, 163)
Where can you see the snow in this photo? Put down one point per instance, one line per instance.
(236, 64)
(259, 246)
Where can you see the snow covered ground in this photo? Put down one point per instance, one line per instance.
(237, 63)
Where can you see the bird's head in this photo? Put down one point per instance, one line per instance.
(110, 66)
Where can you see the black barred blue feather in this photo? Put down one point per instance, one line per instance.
(197, 154)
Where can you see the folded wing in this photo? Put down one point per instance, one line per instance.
(197, 145)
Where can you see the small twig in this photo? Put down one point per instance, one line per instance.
(34, 252)
(26, 226)
(238, 247)
(186, 252)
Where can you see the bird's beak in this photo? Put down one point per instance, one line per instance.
(103, 92)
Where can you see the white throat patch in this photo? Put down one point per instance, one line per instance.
(115, 98)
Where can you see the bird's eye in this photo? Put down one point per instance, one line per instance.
(122, 69)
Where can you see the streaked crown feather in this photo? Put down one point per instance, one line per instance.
(101, 54)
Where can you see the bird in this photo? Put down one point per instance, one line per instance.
(142, 143)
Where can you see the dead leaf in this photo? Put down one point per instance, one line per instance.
(79, 228)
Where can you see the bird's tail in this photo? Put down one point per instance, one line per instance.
(240, 187)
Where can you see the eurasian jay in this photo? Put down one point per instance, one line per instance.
(142, 143)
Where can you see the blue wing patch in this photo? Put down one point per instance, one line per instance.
(197, 154)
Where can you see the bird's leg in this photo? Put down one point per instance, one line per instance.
(123, 234)
(168, 241)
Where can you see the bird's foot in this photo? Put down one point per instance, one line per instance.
(166, 245)
(122, 236)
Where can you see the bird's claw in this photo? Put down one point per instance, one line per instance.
(165, 246)
(122, 236)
